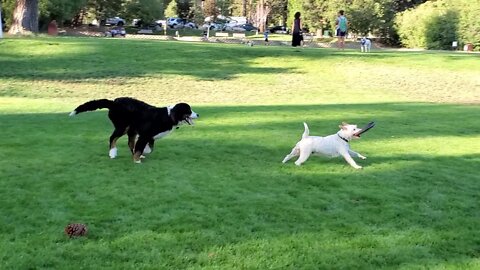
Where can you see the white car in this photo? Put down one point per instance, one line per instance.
(115, 21)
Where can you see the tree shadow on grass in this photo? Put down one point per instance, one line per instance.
(102, 58)
(216, 194)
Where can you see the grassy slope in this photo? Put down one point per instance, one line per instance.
(215, 195)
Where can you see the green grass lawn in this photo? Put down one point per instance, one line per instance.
(215, 195)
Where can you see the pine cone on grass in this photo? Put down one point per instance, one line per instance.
(76, 229)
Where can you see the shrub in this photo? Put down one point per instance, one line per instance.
(435, 24)
(469, 24)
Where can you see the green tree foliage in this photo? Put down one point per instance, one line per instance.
(172, 9)
(295, 6)
(102, 9)
(183, 8)
(147, 10)
(62, 11)
(210, 8)
(278, 13)
(436, 24)
(59, 10)
(196, 13)
(365, 16)
(469, 23)
(402, 5)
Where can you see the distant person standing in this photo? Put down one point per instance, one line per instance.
(342, 27)
(297, 30)
(265, 35)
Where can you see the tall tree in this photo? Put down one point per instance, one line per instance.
(25, 17)
(171, 10)
(210, 9)
(259, 17)
(401, 5)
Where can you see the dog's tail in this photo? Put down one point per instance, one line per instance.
(93, 105)
(306, 132)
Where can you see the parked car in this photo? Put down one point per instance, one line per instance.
(213, 26)
(191, 25)
(160, 22)
(237, 28)
(115, 21)
(137, 22)
(278, 29)
(248, 27)
(175, 22)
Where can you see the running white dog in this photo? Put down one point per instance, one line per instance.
(333, 145)
(365, 44)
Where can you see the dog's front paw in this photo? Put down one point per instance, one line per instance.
(357, 167)
(112, 153)
(298, 163)
(137, 161)
(362, 157)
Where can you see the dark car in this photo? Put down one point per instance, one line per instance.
(278, 29)
(248, 27)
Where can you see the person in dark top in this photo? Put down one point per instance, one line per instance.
(297, 31)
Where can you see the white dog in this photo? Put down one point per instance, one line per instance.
(365, 44)
(333, 145)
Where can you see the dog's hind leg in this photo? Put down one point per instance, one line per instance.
(295, 152)
(139, 148)
(117, 133)
(305, 153)
(132, 137)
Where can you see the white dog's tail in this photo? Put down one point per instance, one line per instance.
(306, 132)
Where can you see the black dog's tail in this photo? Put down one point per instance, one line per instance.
(93, 105)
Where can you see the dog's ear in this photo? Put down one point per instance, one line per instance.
(342, 126)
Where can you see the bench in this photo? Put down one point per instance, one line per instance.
(239, 35)
(220, 34)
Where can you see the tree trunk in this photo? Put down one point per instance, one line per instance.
(25, 17)
(244, 8)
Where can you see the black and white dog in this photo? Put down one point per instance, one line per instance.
(142, 122)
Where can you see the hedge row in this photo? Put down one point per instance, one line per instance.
(436, 24)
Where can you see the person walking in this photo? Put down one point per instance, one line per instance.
(342, 27)
(297, 30)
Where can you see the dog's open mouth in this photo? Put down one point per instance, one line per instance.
(364, 129)
(189, 118)
(189, 121)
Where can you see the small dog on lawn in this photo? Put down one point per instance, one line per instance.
(333, 145)
(365, 44)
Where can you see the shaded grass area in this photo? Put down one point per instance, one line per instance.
(215, 195)
(165, 72)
